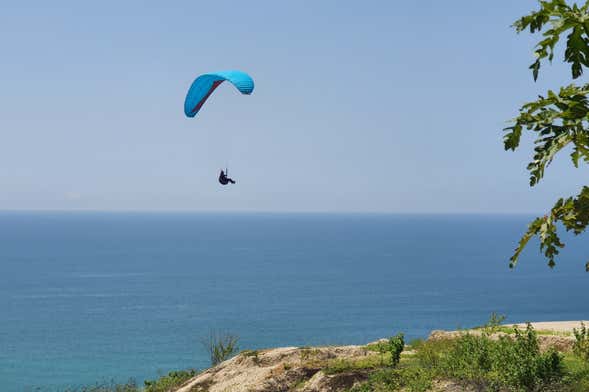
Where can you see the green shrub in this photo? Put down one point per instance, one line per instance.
(576, 378)
(469, 359)
(411, 379)
(343, 365)
(527, 367)
(507, 363)
(395, 347)
(581, 346)
(170, 381)
(514, 363)
(429, 354)
(220, 346)
(416, 343)
(253, 354)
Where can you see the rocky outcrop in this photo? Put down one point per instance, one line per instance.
(280, 369)
(320, 382)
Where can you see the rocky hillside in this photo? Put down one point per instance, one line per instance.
(340, 368)
(283, 369)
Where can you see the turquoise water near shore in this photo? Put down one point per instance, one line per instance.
(86, 297)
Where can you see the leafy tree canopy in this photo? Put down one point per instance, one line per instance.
(557, 119)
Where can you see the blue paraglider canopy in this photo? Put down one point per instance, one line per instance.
(203, 86)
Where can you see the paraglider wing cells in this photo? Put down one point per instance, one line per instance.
(203, 86)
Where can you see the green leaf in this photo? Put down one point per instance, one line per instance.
(572, 212)
(562, 18)
(558, 120)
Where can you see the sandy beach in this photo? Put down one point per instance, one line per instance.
(556, 326)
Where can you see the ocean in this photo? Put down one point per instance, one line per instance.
(91, 297)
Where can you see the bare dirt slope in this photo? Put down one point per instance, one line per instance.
(279, 369)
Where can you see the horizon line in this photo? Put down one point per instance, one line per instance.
(286, 212)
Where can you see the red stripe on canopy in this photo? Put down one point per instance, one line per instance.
(202, 101)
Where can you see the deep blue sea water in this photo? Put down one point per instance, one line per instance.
(86, 297)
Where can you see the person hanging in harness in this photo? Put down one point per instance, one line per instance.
(223, 179)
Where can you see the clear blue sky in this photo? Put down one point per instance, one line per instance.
(392, 106)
